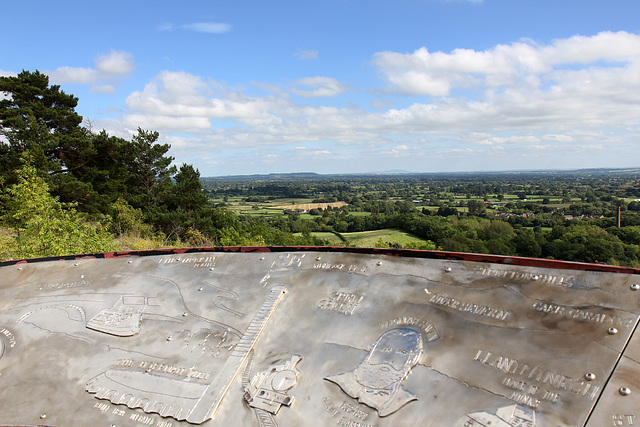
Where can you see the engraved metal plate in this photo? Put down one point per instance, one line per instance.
(318, 337)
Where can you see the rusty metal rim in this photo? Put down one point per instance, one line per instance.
(409, 253)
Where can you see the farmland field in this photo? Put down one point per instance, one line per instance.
(365, 239)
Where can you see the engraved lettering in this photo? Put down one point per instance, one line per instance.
(330, 407)
(350, 409)
(624, 420)
(513, 383)
(102, 406)
(10, 337)
(67, 285)
(566, 282)
(198, 375)
(430, 332)
(144, 419)
(550, 396)
(507, 365)
(127, 363)
(341, 302)
(197, 262)
(344, 421)
(478, 310)
(328, 266)
(585, 315)
(535, 373)
(525, 399)
(548, 308)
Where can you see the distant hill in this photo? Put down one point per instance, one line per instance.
(268, 177)
(400, 172)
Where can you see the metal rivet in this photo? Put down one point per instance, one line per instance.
(590, 376)
(82, 276)
(211, 268)
(635, 287)
(43, 416)
(261, 258)
(612, 331)
(625, 391)
(318, 258)
(447, 269)
(200, 288)
(169, 338)
(76, 264)
(184, 314)
(379, 263)
(536, 277)
(130, 261)
(19, 268)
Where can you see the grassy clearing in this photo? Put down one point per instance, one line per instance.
(309, 206)
(368, 239)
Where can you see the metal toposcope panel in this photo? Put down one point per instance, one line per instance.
(316, 338)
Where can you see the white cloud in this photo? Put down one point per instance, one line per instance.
(115, 63)
(208, 27)
(521, 64)
(314, 87)
(500, 102)
(74, 75)
(108, 67)
(104, 89)
(200, 27)
(306, 54)
(559, 138)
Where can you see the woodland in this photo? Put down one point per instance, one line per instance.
(66, 188)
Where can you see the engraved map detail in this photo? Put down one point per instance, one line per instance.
(377, 381)
(180, 398)
(270, 337)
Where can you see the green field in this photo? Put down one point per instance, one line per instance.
(368, 239)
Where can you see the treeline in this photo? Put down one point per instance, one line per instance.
(60, 180)
(594, 241)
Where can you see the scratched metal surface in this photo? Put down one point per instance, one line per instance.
(316, 338)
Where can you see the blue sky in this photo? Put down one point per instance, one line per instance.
(347, 86)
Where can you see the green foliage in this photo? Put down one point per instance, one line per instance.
(42, 120)
(44, 227)
(149, 170)
(129, 220)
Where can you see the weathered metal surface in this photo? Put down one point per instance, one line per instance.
(290, 337)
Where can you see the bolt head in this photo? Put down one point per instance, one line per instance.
(379, 263)
(447, 269)
(635, 287)
(612, 331)
(625, 391)
(590, 376)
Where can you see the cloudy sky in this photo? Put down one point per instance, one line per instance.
(347, 86)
